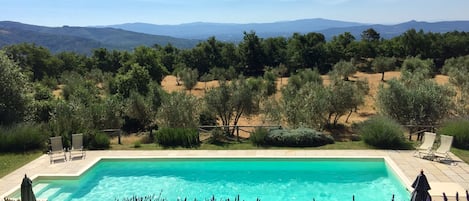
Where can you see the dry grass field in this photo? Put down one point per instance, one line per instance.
(169, 84)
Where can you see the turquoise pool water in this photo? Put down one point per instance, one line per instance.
(266, 179)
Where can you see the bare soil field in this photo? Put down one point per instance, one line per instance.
(368, 109)
(169, 84)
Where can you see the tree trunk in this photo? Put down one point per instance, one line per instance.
(329, 118)
(348, 116)
(336, 119)
(382, 77)
(235, 123)
(226, 123)
(150, 134)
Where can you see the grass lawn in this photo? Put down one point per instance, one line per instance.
(12, 161)
(357, 145)
(243, 145)
(461, 153)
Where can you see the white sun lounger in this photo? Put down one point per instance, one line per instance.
(442, 153)
(425, 149)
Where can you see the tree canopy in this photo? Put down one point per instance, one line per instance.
(110, 88)
(14, 101)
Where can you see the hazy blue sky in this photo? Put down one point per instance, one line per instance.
(106, 12)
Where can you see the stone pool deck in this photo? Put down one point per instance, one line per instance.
(448, 178)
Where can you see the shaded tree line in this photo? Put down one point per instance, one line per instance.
(250, 56)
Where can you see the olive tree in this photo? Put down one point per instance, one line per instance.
(230, 101)
(80, 88)
(189, 78)
(315, 105)
(344, 97)
(414, 68)
(143, 109)
(421, 102)
(113, 112)
(458, 71)
(139, 108)
(307, 106)
(177, 72)
(304, 76)
(303, 102)
(179, 110)
(68, 117)
(383, 64)
(270, 80)
(344, 69)
(13, 89)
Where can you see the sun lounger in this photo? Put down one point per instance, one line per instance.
(77, 147)
(425, 149)
(56, 149)
(442, 153)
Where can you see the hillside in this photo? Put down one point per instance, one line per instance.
(234, 32)
(330, 28)
(129, 36)
(390, 31)
(55, 43)
(82, 39)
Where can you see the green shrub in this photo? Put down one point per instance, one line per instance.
(459, 129)
(259, 136)
(207, 118)
(137, 144)
(49, 82)
(383, 132)
(355, 137)
(41, 111)
(185, 137)
(270, 83)
(217, 136)
(22, 137)
(300, 137)
(97, 140)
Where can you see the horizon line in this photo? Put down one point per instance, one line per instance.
(235, 23)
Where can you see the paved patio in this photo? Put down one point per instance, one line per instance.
(448, 178)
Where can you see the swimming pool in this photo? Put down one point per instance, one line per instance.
(197, 178)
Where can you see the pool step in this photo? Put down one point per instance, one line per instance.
(49, 192)
(38, 188)
(62, 196)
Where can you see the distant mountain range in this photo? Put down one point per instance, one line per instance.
(128, 36)
(390, 31)
(234, 32)
(330, 28)
(82, 39)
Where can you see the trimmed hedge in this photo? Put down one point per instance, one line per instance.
(96, 140)
(300, 137)
(172, 137)
(383, 132)
(22, 137)
(459, 129)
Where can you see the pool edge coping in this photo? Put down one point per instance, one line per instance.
(388, 161)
